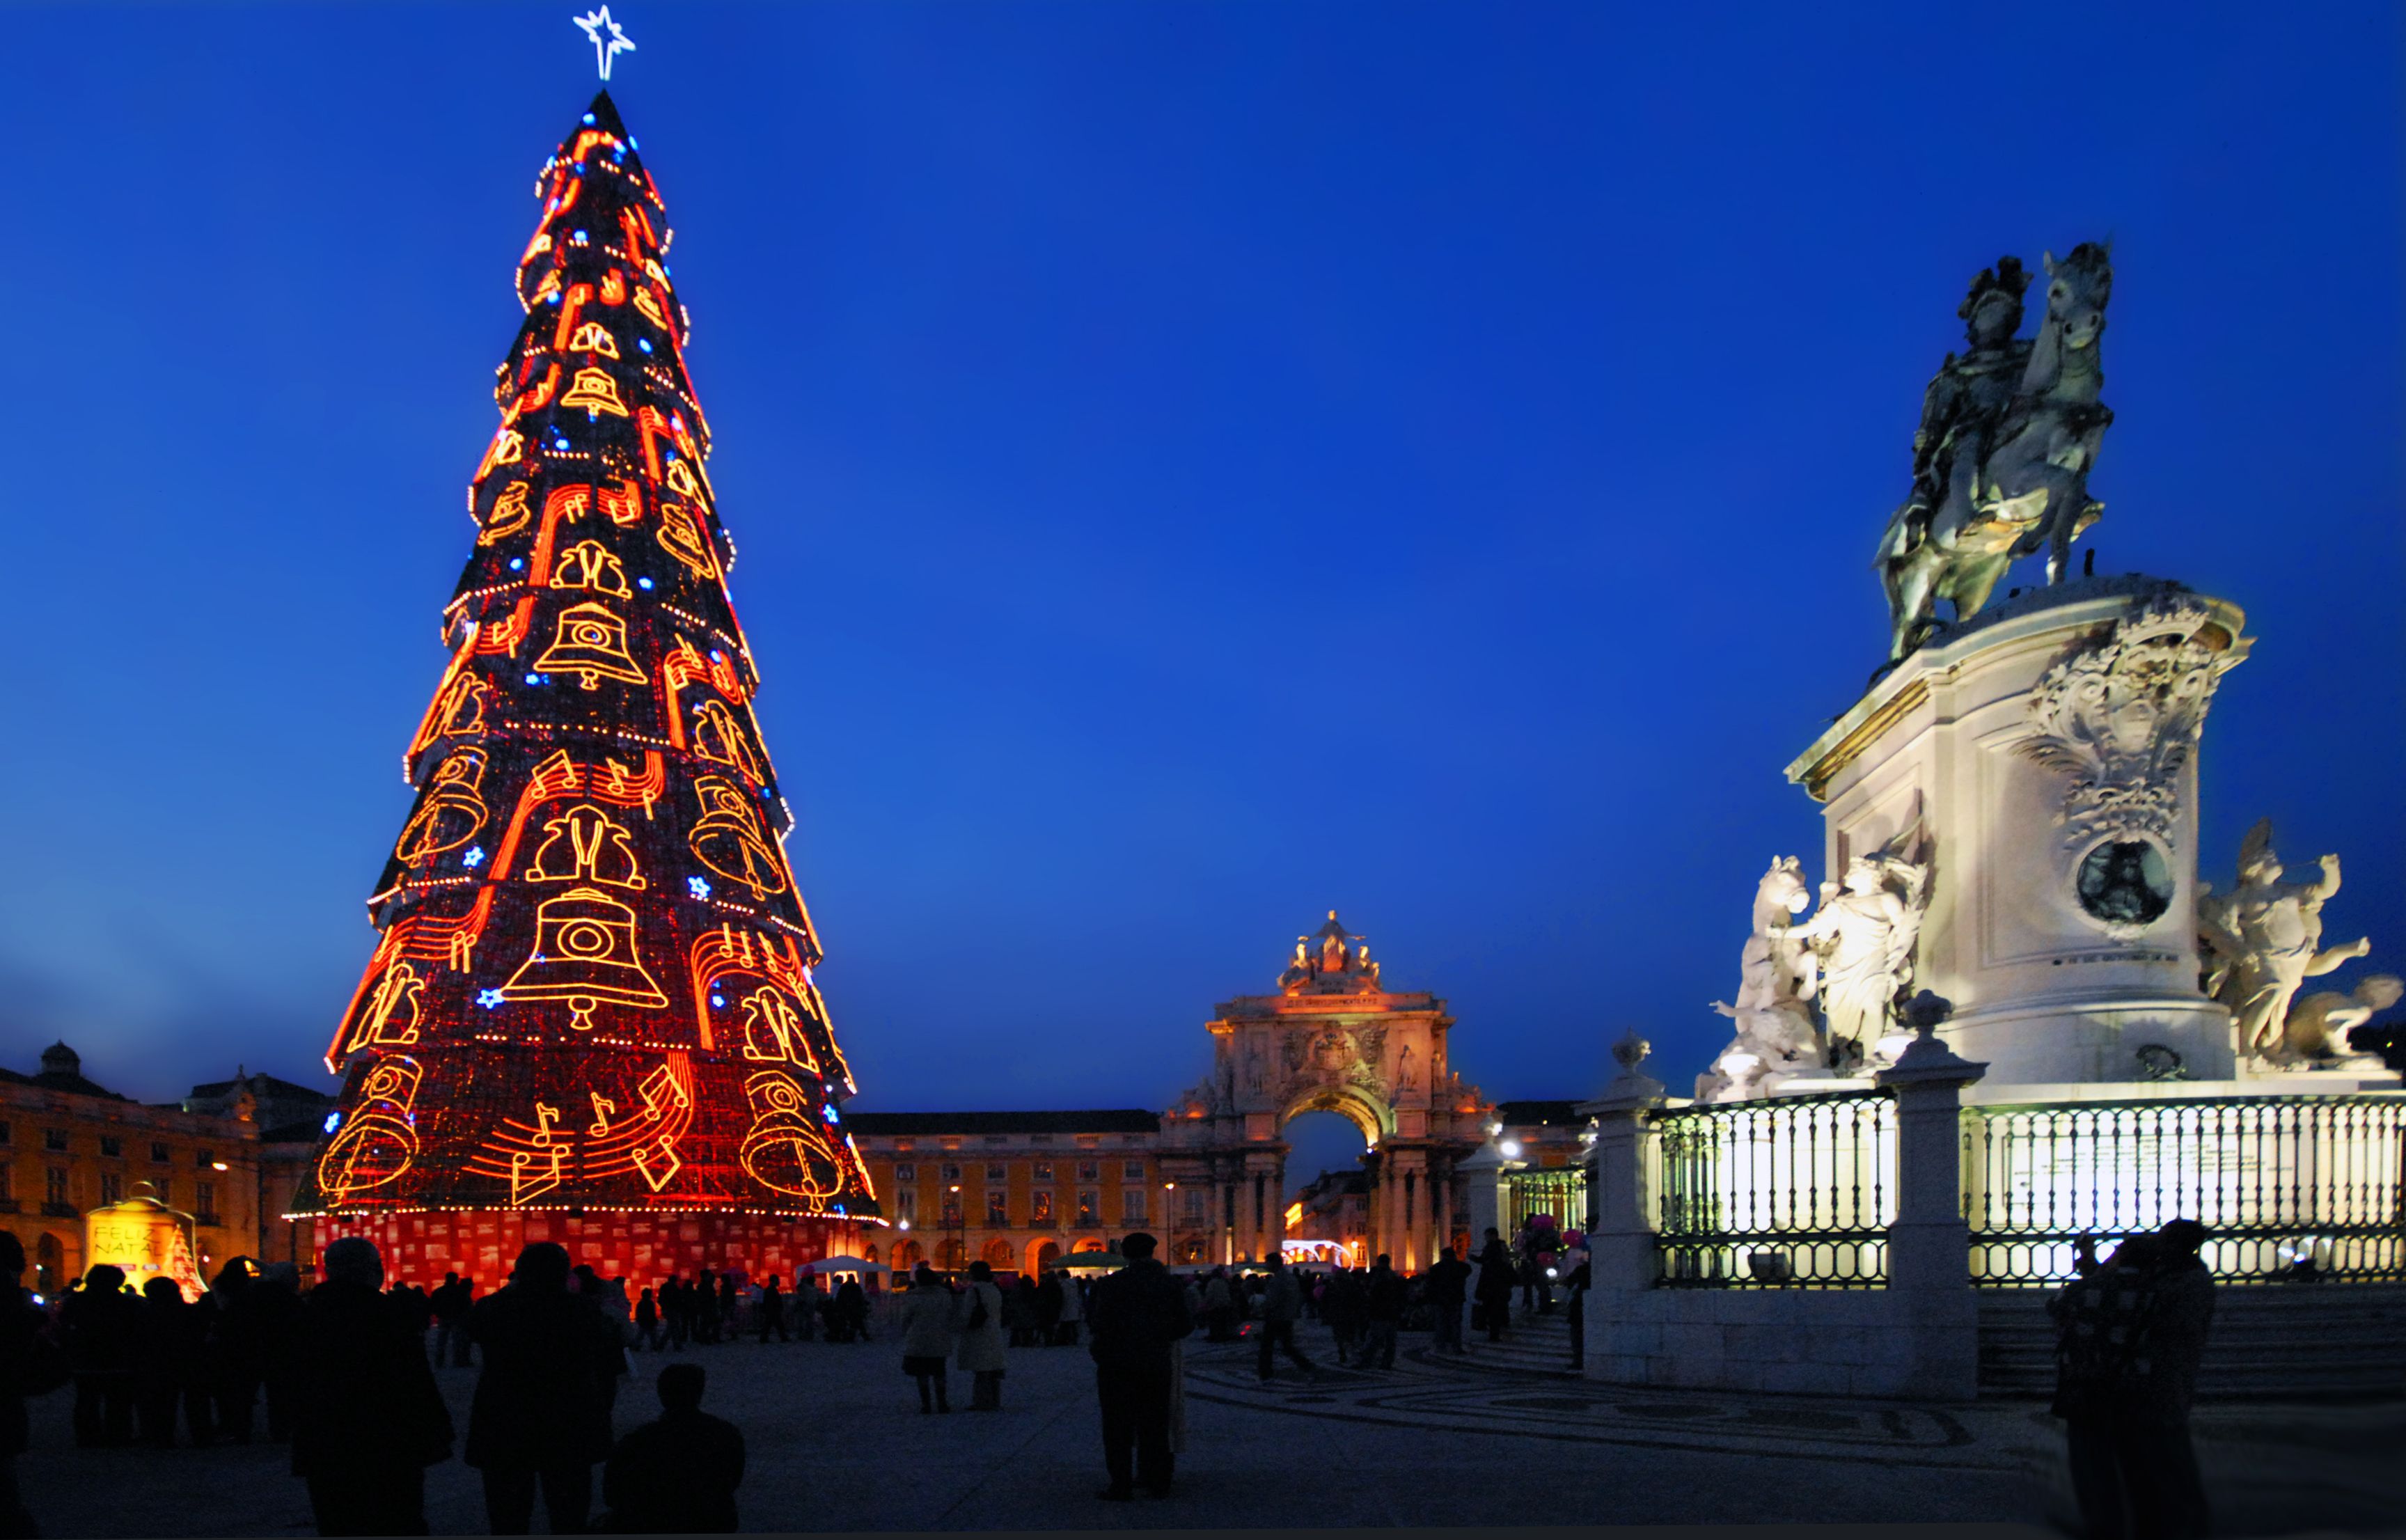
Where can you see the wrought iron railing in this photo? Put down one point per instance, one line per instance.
(1560, 1192)
(1794, 1192)
(2287, 1187)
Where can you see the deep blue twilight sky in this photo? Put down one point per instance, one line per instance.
(1194, 464)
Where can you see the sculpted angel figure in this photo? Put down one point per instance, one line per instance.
(1776, 982)
(1863, 935)
(2263, 940)
(1298, 970)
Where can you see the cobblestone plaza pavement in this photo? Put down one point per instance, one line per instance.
(1504, 1437)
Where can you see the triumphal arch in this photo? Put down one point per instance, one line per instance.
(1333, 1039)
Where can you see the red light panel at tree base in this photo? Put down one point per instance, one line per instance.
(642, 1249)
(592, 989)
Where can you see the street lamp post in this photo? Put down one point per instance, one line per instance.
(957, 1222)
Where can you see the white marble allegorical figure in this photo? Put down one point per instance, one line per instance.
(2263, 940)
(1864, 938)
(1776, 1035)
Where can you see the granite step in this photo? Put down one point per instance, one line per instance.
(2312, 1341)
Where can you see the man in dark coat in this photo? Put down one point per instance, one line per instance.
(1382, 1310)
(677, 1475)
(102, 1324)
(773, 1311)
(1496, 1284)
(539, 1416)
(31, 1363)
(1449, 1284)
(367, 1418)
(1135, 1314)
(450, 1302)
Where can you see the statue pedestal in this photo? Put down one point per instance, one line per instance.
(2048, 749)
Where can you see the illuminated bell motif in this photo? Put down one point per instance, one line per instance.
(651, 308)
(786, 1150)
(595, 391)
(585, 846)
(681, 477)
(772, 1030)
(594, 337)
(378, 1140)
(716, 735)
(591, 644)
(587, 565)
(679, 537)
(728, 840)
(509, 514)
(452, 812)
(389, 1017)
(584, 954)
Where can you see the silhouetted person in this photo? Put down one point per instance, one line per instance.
(1136, 1317)
(677, 1475)
(1495, 1283)
(101, 1323)
(31, 1363)
(773, 1311)
(730, 1304)
(234, 1348)
(1282, 1308)
(1449, 1285)
(852, 1311)
(165, 1363)
(274, 1302)
(647, 1322)
(612, 1349)
(451, 1301)
(367, 1418)
(539, 1417)
(1382, 1312)
(2130, 1334)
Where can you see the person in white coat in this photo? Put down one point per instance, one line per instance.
(1072, 1307)
(982, 1341)
(925, 1314)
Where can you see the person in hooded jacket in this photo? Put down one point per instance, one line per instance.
(367, 1417)
(541, 1416)
(927, 1315)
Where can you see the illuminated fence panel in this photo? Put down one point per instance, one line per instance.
(1559, 1190)
(2285, 1185)
(1792, 1192)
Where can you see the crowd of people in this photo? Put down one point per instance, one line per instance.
(346, 1371)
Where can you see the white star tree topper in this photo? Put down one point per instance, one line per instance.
(608, 38)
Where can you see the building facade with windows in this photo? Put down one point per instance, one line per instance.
(1014, 1190)
(69, 1145)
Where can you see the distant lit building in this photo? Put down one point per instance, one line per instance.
(69, 1145)
(1015, 1190)
(1335, 1205)
(1545, 1147)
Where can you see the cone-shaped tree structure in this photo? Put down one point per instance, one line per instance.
(592, 989)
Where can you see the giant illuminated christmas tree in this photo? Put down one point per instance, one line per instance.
(592, 992)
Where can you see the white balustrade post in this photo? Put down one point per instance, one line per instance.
(1622, 1248)
(1934, 1314)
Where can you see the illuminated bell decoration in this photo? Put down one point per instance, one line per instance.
(591, 644)
(785, 1148)
(378, 1141)
(595, 391)
(585, 954)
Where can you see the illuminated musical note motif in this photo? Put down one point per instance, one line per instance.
(533, 1172)
(603, 1108)
(377, 1142)
(587, 565)
(613, 292)
(508, 445)
(786, 1150)
(728, 837)
(591, 644)
(595, 391)
(594, 337)
(623, 502)
(509, 514)
(451, 811)
(583, 845)
(651, 308)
